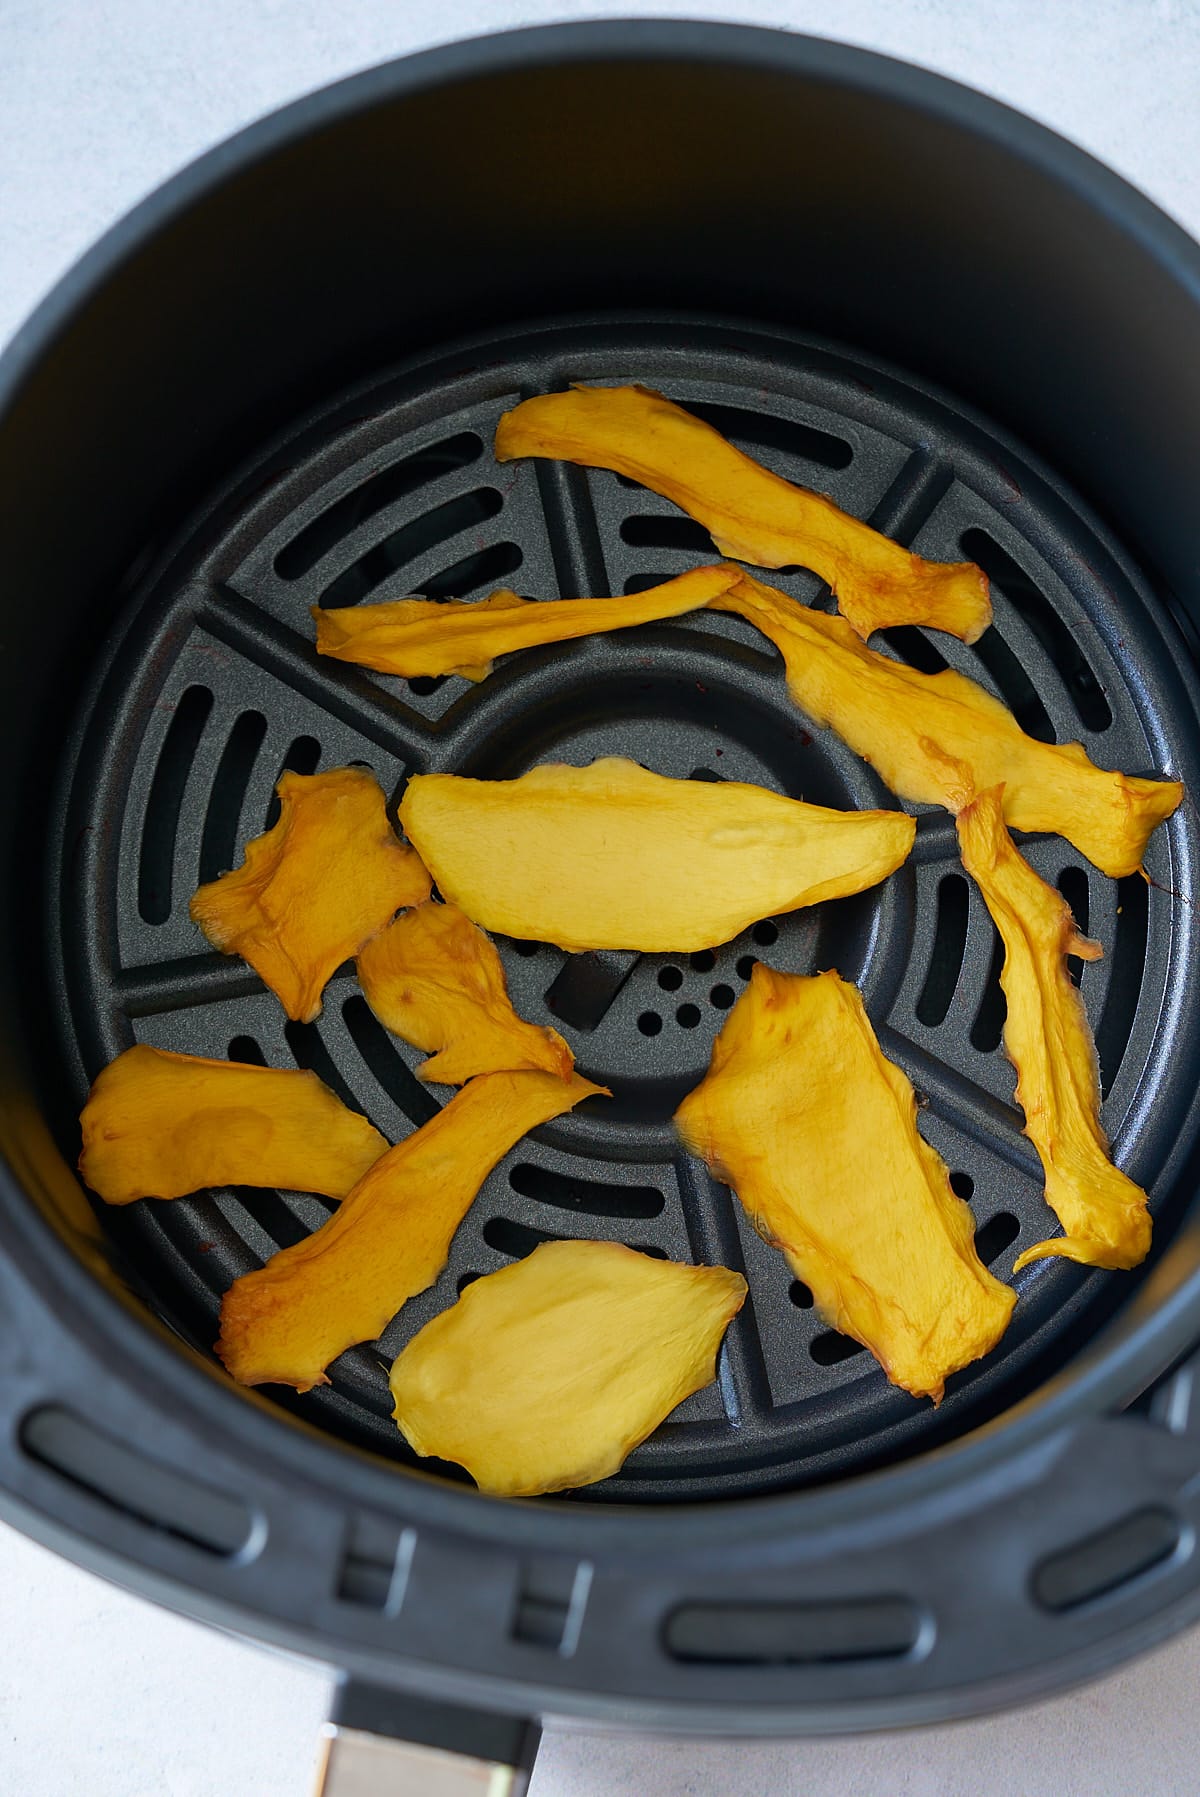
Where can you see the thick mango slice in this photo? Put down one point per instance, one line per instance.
(312, 890)
(436, 980)
(752, 514)
(547, 1374)
(1047, 1038)
(423, 636)
(157, 1125)
(817, 1134)
(942, 740)
(286, 1321)
(610, 856)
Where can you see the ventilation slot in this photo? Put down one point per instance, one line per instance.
(583, 992)
(338, 520)
(302, 758)
(247, 1050)
(1031, 605)
(647, 531)
(519, 1239)
(219, 844)
(486, 568)
(946, 958)
(794, 1634)
(915, 648)
(378, 1051)
(1125, 978)
(641, 583)
(1104, 1562)
(963, 1186)
(586, 1195)
(988, 1027)
(1014, 686)
(161, 822)
(997, 1234)
(1073, 884)
(762, 430)
(141, 1489)
(396, 551)
(831, 1348)
(309, 1052)
(800, 1295)
(272, 1214)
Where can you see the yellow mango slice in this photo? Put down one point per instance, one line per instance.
(157, 1125)
(459, 636)
(389, 1239)
(816, 1132)
(1047, 1038)
(312, 890)
(544, 1376)
(437, 981)
(610, 856)
(941, 739)
(751, 514)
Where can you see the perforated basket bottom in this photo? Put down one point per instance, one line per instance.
(211, 687)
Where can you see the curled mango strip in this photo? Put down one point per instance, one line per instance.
(388, 1240)
(610, 856)
(1047, 1038)
(157, 1125)
(816, 1131)
(753, 515)
(436, 980)
(314, 888)
(942, 740)
(544, 1376)
(458, 636)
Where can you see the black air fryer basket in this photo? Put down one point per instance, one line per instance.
(275, 385)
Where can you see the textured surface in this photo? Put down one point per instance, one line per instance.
(99, 105)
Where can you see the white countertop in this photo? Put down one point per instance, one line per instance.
(102, 1695)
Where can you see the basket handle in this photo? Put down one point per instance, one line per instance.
(382, 1743)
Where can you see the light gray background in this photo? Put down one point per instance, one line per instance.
(101, 1695)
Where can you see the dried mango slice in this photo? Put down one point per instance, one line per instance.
(547, 1374)
(157, 1125)
(389, 1239)
(941, 739)
(312, 890)
(752, 514)
(437, 981)
(817, 1133)
(1047, 1038)
(610, 856)
(423, 636)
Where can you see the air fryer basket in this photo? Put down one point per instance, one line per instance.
(275, 386)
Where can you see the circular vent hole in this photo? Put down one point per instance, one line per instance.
(765, 933)
(467, 1279)
(703, 961)
(746, 965)
(424, 684)
(525, 949)
(722, 997)
(688, 1016)
(831, 1348)
(962, 1184)
(997, 1234)
(649, 1023)
(670, 979)
(800, 1295)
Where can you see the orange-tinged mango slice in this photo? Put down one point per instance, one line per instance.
(436, 980)
(610, 856)
(314, 888)
(941, 739)
(425, 636)
(547, 1374)
(752, 514)
(286, 1321)
(1047, 1038)
(817, 1134)
(157, 1125)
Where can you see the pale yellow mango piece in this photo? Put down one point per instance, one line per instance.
(460, 636)
(436, 980)
(940, 739)
(314, 888)
(157, 1125)
(610, 856)
(544, 1376)
(1047, 1038)
(286, 1321)
(816, 1131)
(751, 514)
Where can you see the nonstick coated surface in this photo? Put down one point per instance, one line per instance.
(212, 687)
